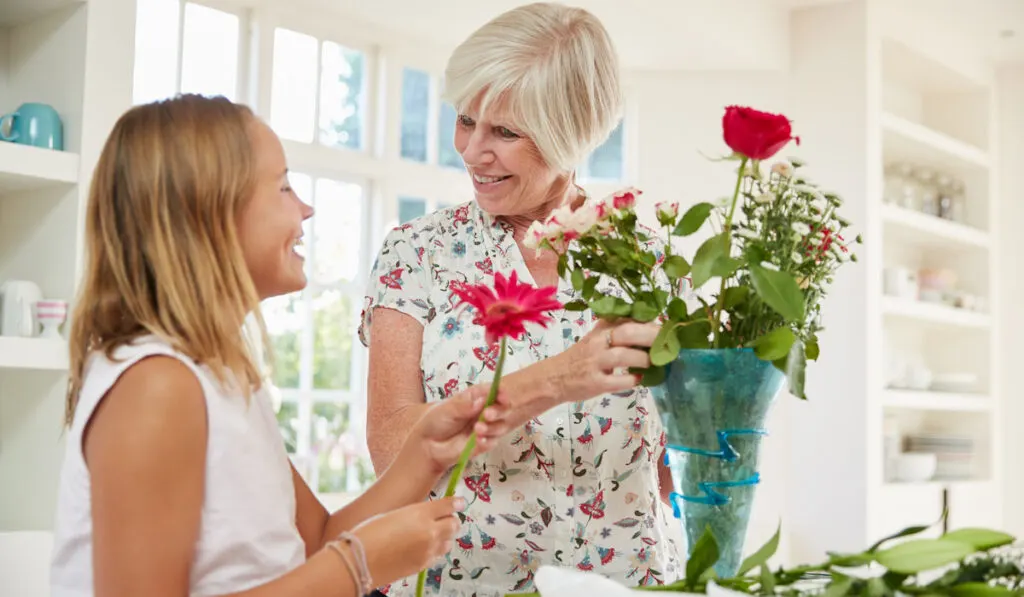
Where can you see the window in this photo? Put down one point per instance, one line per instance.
(317, 366)
(209, 58)
(302, 64)
(415, 114)
(606, 163)
(410, 208)
(428, 124)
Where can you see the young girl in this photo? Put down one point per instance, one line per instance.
(175, 479)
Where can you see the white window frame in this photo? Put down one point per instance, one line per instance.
(378, 166)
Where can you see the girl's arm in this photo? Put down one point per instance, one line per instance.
(431, 448)
(145, 447)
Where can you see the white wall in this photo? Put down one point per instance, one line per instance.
(1010, 98)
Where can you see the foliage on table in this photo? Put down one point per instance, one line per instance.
(968, 562)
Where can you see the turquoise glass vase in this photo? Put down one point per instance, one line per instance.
(713, 405)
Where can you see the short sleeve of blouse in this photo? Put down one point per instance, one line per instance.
(398, 280)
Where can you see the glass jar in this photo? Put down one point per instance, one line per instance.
(945, 196)
(892, 190)
(958, 196)
(909, 187)
(928, 194)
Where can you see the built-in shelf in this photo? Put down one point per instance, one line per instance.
(23, 167)
(930, 232)
(937, 401)
(906, 140)
(933, 313)
(17, 12)
(33, 353)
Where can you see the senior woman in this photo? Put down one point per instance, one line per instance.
(577, 483)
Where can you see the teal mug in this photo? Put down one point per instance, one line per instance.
(33, 124)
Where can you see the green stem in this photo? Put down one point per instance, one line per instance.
(467, 451)
(727, 230)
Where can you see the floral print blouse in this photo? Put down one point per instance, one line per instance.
(575, 487)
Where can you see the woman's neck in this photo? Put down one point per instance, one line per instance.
(572, 196)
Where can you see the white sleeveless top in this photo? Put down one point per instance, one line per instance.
(247, 533)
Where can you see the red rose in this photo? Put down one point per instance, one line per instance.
(755, 134)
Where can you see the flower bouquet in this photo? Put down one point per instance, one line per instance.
(721, 356)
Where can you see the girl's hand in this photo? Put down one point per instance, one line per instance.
(598, 364)
(438, 438)
(403, 542)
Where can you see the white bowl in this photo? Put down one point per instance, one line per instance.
(915, 467)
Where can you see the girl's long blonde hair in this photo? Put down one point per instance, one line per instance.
(161, 241)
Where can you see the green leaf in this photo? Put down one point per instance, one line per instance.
(578, 279)
(644, 311)
(724, 266)
(590, 286)
(774, 345)
(576, 306)
(693, 219)
(907, 532)
(794, 365)
(676, 267)
(677, 310)
(563, 265)
(840, 585)
(703, 556)
(652, 376)
(979, 589)
(850, 560)
(610, 306)
(735, 296)
(812, 350)
(767, 580)
(694, 334)
(666, 345)
(762, 555)
(704, 259)
(980, 539)
(779, 291)
(918, 555)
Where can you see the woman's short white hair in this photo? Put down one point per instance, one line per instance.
(553, 68)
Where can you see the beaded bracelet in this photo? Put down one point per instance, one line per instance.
(360, 555)
(336, 547)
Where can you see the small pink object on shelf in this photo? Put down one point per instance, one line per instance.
(51, 313)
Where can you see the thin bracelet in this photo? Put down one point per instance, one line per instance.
(360, 555)
(336, 547)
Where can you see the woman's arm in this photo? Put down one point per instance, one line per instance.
(585, 370)
(145, 447)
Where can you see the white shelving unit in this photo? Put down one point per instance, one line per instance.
(866, 95)
(70, 55)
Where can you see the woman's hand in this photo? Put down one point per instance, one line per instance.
(403, 542)
(438, 438)
(599, 362)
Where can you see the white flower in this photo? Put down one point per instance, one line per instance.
(745, 233)
(583, 219)
(667, 210)
(797, 258)
(561, 216)
(783, 168)
(801, 228)
(820, 204)
(815, 241)
(764, 198)
(769, 265)
(535, 235)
